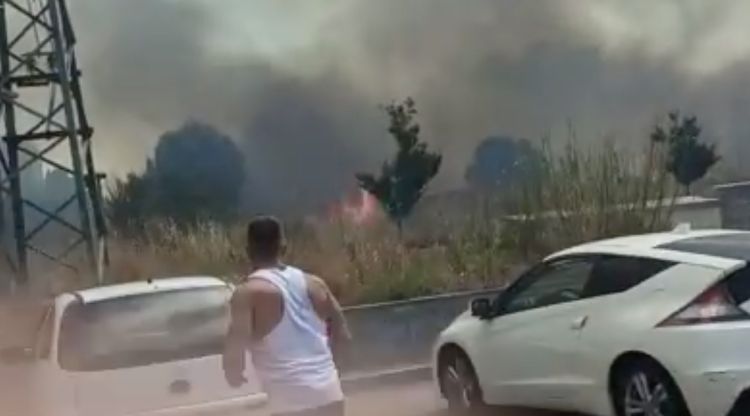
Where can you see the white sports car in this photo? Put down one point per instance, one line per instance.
(650, 325)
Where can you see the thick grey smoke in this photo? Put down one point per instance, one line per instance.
(299, 82)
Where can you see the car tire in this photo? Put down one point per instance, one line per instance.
(644, 388)
(460, 385)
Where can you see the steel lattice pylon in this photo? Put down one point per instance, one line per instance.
(43, 111)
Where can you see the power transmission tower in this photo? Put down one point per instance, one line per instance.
(45, 124)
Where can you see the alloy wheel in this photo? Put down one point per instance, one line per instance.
(646, 395)
(460, 384)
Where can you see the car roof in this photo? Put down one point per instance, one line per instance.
(736, 246)
(108, 292)
(678, 245)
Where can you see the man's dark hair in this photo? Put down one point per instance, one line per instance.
(265, 238)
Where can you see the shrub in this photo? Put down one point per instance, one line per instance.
(583, 195)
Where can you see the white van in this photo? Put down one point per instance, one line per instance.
(144, 348)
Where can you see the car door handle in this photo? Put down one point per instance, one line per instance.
(180, 386)
(579, 323)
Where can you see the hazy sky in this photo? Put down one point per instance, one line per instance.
(298, 82)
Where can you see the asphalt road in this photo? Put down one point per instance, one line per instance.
(416, 399)
(406, 399)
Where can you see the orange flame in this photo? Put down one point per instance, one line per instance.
(359, 209)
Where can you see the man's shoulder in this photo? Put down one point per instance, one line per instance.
(313, 277)
(315, 282)
(252, 286)
(309, 277)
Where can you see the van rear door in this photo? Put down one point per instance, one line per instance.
(136, 354)
(200, 334)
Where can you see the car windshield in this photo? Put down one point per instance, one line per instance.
(144, 329)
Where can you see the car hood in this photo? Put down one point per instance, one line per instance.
(458, 322)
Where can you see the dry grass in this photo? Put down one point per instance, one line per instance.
(582, 195)
(577, 195)
(361, 263)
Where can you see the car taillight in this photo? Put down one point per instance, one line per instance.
(714, 305)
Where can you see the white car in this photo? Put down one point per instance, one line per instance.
(145, 348)
(650, 325)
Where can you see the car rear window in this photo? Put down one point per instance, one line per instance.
(738, 284)
(145, 329)
(615, 274)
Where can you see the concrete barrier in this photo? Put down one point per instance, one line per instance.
(395, 334)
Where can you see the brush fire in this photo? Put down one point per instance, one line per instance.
(358, 208)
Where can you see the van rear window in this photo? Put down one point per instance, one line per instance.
(145, 329)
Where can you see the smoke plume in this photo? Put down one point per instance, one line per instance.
(298, 82)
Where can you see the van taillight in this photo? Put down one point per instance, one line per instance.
(713, 305)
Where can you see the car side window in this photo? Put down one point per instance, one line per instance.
(616, 274)
(556, 282)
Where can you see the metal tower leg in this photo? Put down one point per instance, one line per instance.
(37, 59)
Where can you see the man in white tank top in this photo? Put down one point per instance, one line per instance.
(289, 321)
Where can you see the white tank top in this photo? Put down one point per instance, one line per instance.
(294, 361)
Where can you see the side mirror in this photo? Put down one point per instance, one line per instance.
(16, 355)
(481, 308)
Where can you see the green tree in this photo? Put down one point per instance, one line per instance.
(131, 202)
(402, 181)
(690, 158)
(199, 173)
(196, 174)
(500, 162)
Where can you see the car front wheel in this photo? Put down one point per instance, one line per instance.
(643, 388)
(460, 385)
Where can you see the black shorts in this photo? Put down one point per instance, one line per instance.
(333, 409)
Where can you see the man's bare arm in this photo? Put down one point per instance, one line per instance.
(238, 335)
(338, 320)
(329, 309)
